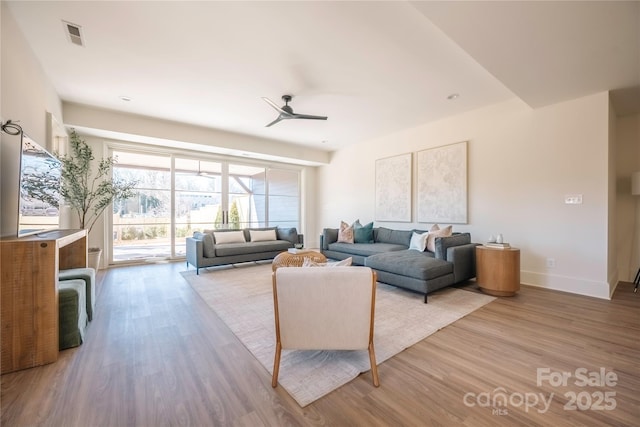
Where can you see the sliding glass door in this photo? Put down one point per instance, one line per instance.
(141, 225)
(177, 196)
(246, 197)
(198, 198)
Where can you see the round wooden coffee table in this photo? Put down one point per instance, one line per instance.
(288, 259)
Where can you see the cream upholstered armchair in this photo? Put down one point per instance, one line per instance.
(324, 308)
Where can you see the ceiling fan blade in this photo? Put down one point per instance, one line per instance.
(308, 116)
(274, 105)
(280, 118)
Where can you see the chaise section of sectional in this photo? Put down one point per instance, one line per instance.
(413, 270)
(389, 255)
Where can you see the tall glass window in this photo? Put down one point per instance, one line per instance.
(246, 197)
(284, 198)
(176, 196)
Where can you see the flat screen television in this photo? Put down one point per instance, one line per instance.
(39, 198)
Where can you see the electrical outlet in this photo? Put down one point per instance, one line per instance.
(551, 262)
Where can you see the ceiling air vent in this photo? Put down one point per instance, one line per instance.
(74, 33)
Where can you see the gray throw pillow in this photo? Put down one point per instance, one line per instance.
(289, 234)
(209, 249)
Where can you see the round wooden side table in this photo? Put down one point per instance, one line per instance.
(288, 259)
(498, 270)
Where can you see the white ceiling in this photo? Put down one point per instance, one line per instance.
(372, 67)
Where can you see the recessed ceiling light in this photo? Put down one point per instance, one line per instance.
(125, 98)
(453, 96)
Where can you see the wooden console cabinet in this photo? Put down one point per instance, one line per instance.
(29, 297)
(498, 270)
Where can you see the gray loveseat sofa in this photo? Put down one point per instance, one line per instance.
(204, 251)
(389, 255)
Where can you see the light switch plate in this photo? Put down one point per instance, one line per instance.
(573, 199)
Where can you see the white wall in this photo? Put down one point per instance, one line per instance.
(27, 96)
(521, 164)
(628, 206)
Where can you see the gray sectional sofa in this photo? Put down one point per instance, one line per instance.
(389, 255)
(204, 251)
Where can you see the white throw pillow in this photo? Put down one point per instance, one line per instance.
(418, 241)
(222, 237)
(344, 263)
(262, 235)
(308, 262)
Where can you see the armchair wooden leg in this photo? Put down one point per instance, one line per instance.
(374, 367)
(276, 366)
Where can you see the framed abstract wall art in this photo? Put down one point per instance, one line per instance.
(394, 188)
(442, 184)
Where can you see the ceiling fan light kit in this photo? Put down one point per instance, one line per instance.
(286, 112)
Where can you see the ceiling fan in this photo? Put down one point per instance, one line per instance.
(286, 112)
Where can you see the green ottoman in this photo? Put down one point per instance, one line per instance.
(89, 277)
(72, 312)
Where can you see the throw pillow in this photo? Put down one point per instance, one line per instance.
(431, 238)
(345, 233)
(363, 233)
(289, 234)
(209, 249)
(418, 241)
(344, 263)
(223, 237)
(262, 235)
(308, 262)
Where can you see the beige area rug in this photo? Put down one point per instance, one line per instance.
(242, 297)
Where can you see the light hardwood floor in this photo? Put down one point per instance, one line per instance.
(156, 355)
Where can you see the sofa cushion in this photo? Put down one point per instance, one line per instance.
(208, 245)
(231, 236)
(262, 235)
(419, 265)
(444, 243)
(329, 235)
(247, 231)
(288, 234)
(230, 249)
(363, 233)
(364, 249)
(397, 237)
